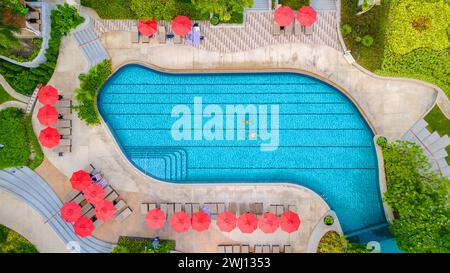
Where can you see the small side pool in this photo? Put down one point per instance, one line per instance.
(261, 127)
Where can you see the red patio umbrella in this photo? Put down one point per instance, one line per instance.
(200, 221)
(49, 137)
(155, 218)
(284, 16)
(226, 221)
(94, 193)
(268, 222)
(48, 95)
(104, 210)
(80, 180)
(148, 27)
(247, 222)
(289, 221)
(83, 227)
(70, 212)
(181, 25)
(180, 221)
(306, 16)
(47, 115)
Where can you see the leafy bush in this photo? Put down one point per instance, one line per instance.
(367, 41)
(142, 245)
(346, 30)
(16, 7)
(157, 9)
(12, 242)
(294, 4)
(215, 20)
(17, 136)
(332, 242)
(222, 9)
(419, 197)
(328, 220)
(86, 95)
(24, 80)
(415, 24)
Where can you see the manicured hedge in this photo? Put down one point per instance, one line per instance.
(295, 4)
(332, 242)
(86, 95)
(24, 80)
(17, 136)
(142, 245)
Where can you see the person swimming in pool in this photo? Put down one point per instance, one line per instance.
(252, 135)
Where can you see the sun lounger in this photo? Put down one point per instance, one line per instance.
(145, 39)
(258, 249)
(178, 207)
(123, 215)
(188, 208)
(292, 208)
(177, 39)
(120, 205)
(287, 249)
(256, 208)
(62, 149)
(107, 190)
(65, 142)
(195, 207)
(280, 210)
(164, 208)
(276, 249)
(135, 37)
(98, 223)
(144, 208)
(78, 199)
(289, 29)
(276, 29)
(86, 208)
(90, 214)
(273, 209)
(151, 206)
(236, 249)
(65, 131)
(228, 249)
(212, 207)
(232, 207)
(297, 28)
(170, 210)
(162, 34)
(64, 123)
(243, 208)
(65, 111)
(220, 208)
(266, 249)
(309, 30)
(220, 249)
(71, 195)
(112, 196)
(245, 249)
(63, 104)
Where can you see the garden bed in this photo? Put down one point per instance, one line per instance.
(13, 242)
(142, 245)
(26, 52)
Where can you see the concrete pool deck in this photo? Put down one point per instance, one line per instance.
(391, 106)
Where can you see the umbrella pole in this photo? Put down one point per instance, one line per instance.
(51, 217)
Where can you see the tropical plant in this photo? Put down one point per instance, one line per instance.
(157, 9)
(142, 245)
(418, 196)
(346, 30)
(367, 41)
(222, 8)
(328, 220)
(332, 242)
(86, 95)
(12, 242)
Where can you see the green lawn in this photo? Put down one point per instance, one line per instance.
(439, 123)
(4, 96)
(17, 136)
(13, 242)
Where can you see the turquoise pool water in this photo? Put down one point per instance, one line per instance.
(322, 142)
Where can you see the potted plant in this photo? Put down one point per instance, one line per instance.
(328, 220)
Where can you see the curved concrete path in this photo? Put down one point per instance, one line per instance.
(13, 103)
(31, 188)
(11, 90)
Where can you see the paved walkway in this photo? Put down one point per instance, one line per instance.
(32, 189)
(11, 91)
(13, 103)
(255, 33)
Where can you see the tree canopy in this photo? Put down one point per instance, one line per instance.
(222, 8)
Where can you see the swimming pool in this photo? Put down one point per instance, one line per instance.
(314, 136)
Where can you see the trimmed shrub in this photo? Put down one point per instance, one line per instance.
(346, 30)
(367, 41)
(142, 245)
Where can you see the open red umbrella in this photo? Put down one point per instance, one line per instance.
(200, 221)
(268, 222)
(48, 95)
(83, 227)
(247, 222)
(49, 137)
(47, 115)
(94, 193)
(289, 221)
(104, 210)
(155, 218)
(284, 16)
(70, 212)
(306, 16)
(180, 221)
(80, 180)
(181, 25)
(226, 221)
(148, 27)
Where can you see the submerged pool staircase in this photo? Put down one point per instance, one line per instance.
(166, 163)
